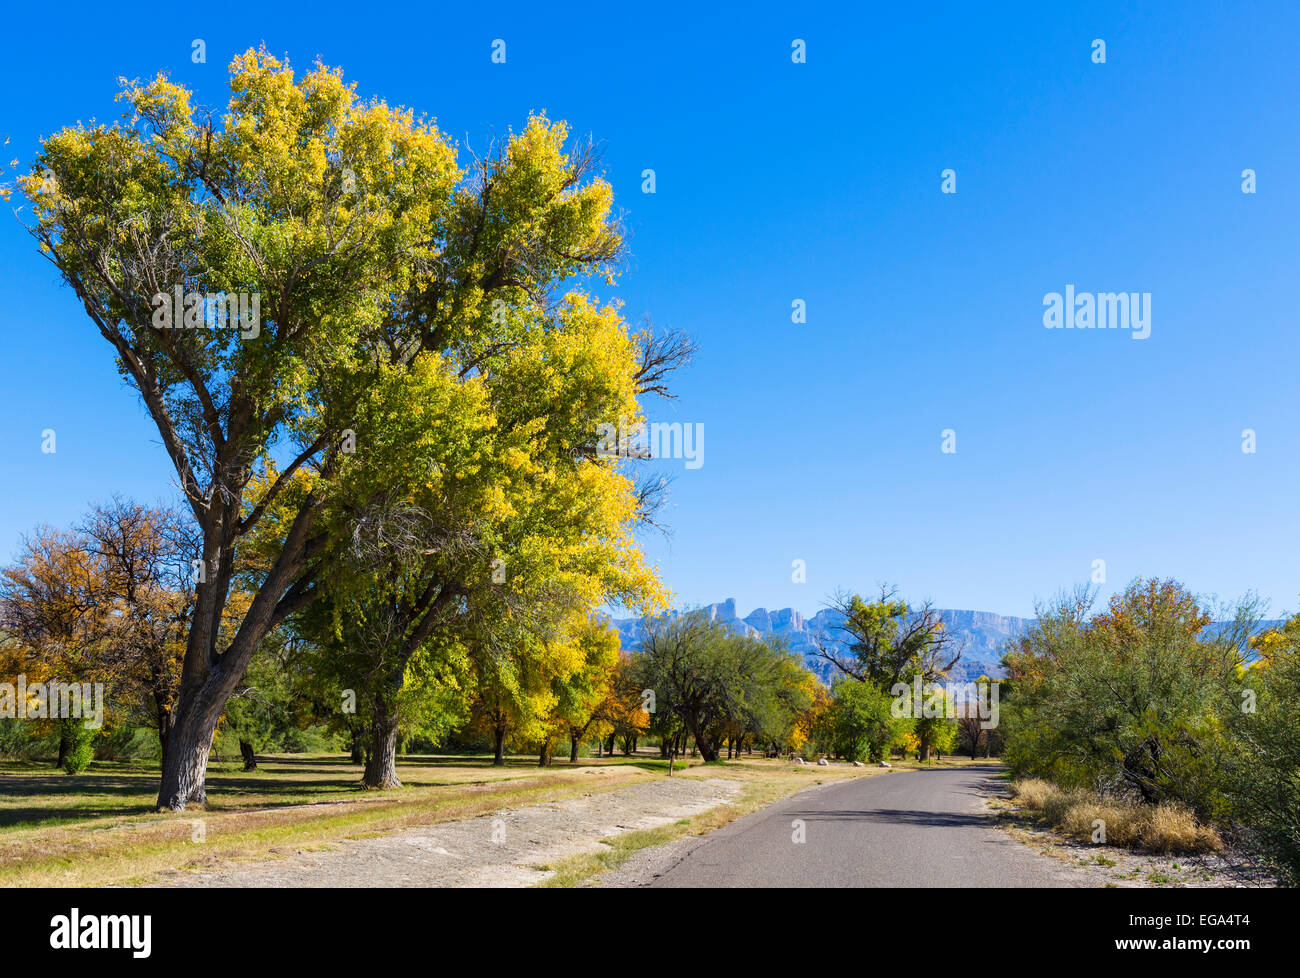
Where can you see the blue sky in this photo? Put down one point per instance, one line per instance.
(821, 181)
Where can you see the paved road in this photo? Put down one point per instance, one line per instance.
(928, 828)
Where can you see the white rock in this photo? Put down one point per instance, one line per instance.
(824, 763)
(857, 764)
(885, 764)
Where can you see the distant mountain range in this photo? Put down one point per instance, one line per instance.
(984, 634)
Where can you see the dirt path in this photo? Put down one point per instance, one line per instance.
(505, 848)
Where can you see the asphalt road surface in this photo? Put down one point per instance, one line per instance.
(928, 828)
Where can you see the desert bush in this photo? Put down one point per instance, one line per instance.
(1131, 702)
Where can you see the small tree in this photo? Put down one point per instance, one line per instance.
(887, 640)
(861, 720)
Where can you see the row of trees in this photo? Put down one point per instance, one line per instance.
(110, 600)
(1159, 698)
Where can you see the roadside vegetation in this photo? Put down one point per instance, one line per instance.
(1172, 722)
(1083, 815)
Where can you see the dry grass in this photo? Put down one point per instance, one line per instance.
(1163, 828)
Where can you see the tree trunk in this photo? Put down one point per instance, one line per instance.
(499, 736)
(63, 747)
(250, 758)
(209, 679)
(356, 756)
(544, 756)
(381, 766)
(185, 765)
(573, 749)
(706, 749)
(163, 712)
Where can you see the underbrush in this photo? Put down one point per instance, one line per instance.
(1163, 828)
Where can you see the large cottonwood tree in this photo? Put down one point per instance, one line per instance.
(365, 248)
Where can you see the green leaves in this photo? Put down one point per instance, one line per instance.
(416, 412)
(1133, 700)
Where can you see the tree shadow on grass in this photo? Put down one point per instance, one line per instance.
(57, 785)
(125, 789)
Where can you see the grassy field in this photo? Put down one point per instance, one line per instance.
(101, 828)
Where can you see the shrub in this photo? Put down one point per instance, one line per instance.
(79, 745)
(1131, 701)
(126, 743)
(18, 741)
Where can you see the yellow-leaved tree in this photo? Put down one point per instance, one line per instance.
(311, 271)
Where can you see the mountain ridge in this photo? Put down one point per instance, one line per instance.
(983, 633)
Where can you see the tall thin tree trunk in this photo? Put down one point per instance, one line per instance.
(499, 735)
(573, 748)
(250, 757)
(165, 717)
